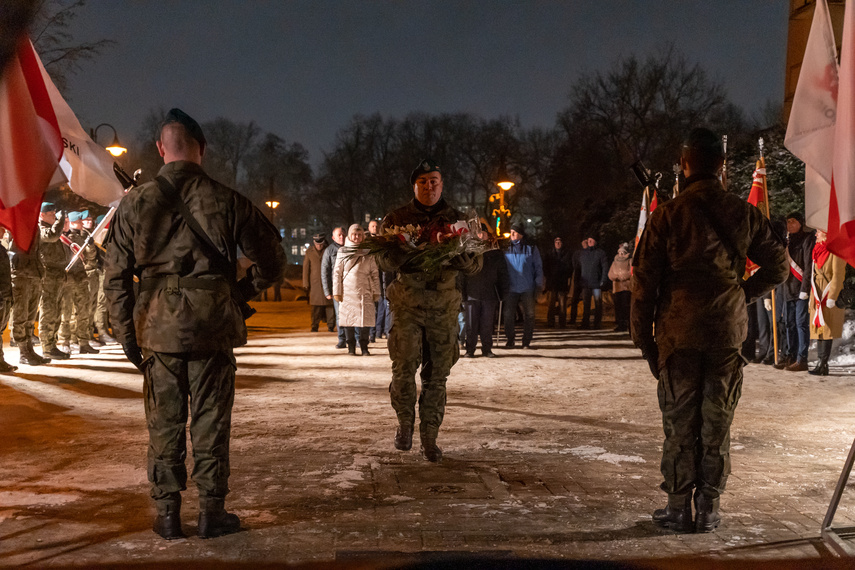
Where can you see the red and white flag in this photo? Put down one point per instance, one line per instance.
(647, 207)
(810, 131)
(30, 143)
(757, 197)
(841, 211)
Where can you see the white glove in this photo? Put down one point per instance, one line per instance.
(768, 304)
(803, 296)
(831, 303)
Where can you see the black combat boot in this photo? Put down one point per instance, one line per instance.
(707, 517)
(363, 347)
(53, 352)
(86, 348)
(168, 521)
(677, 515)
(214, 521)
(431, 450)
(29, 356)
(404, 437)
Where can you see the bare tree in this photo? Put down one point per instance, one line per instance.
(228, 145)
(60, 54)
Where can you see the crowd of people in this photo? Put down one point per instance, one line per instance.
(39, 286)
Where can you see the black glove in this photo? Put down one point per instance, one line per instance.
(134, 354)
(651, 354)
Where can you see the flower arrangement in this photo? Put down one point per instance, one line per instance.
(428, 248)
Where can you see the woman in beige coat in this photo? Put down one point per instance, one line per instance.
(356, 286)
(826, 320)
(619, 273)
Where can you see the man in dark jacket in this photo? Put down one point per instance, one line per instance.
(425, 306)
(481, 294)
(557, 271)
(593, 275)
(322, 308)
(181, 327)
(576, 283)
(796, 293)
(327, 265)
(687, 271)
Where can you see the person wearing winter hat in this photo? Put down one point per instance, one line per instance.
(525, 281)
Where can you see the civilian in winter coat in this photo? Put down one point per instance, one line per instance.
(576, 282)
(327, 264)
(321, 306)
(356, 287)
(481, 294)
(557, 270)
(620, 274)
(796, 293)
(593, 274)
(525, 278)
(826, 319)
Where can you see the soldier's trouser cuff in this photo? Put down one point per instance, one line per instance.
(680, 501)
(169, 504)
(211, 504)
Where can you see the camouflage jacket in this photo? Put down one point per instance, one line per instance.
(52, 252)
(24, 264)
(688, 267)
(89, 252)
(412, 288)
(149, 239)
(5, 277)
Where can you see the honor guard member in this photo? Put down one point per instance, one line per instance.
(99, 314)
(75, 323)
(53, 256)
(92, 262)
(5, 304)
(425, 306)
(179, 235)
(26, 291)
(687, 282)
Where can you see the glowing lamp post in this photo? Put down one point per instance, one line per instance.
(115, 148)
(504, 182)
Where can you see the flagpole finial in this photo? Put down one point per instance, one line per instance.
(760, 144)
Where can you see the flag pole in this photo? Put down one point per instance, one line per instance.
(761, 163)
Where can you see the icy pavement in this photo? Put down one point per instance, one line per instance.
(549, 453)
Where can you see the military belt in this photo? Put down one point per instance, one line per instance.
(173, 284)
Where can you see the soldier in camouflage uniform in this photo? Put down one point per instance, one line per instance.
(96, 289)
(425, 307)
(53, 256)
(26, 290)
(182, 326)
(689, 318)
(5, 305)
(92, 262)
(76, 305)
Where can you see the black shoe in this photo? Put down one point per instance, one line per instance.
(314, 329)
(769, 361)
(510, 344)
(212, 525)
(820, 370)
(330, 330)
(169, 526)
(431, 451)
(527, 347)
(372, 339)
(56, 353)
(30, 357)
(673, 519)
(707, 518)
(6, 368)
(351, 351)
(469, 355)
(364, 352)
(341, 344)
(86, 348)
(489, 354)
(404, 438)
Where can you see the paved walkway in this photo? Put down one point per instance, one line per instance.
(550, 453)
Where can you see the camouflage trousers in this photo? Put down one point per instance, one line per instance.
(698, 392)
(97, 300)
(207, 381)
(75, 325)
(5, 310)
(427, 338)
(26, 291)
(53, 286)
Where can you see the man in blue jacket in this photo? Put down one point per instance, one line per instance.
(525, 278)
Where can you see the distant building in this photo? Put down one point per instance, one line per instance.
(801, 16)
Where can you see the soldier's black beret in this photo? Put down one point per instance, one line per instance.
(178, 116)
(424, 167)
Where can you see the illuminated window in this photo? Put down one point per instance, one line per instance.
(303, 250)
(294, 233)
(295, 249)
(302, 232)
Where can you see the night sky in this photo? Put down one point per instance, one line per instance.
(302, 69)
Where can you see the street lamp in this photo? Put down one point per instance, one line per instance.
(115, 148)
(504, 182)
(272, 204)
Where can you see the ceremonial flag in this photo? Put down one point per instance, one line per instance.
(757, 196)
(30, 143)
(810, 131)
(841, 211)
(647, 207)
(87, 166)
